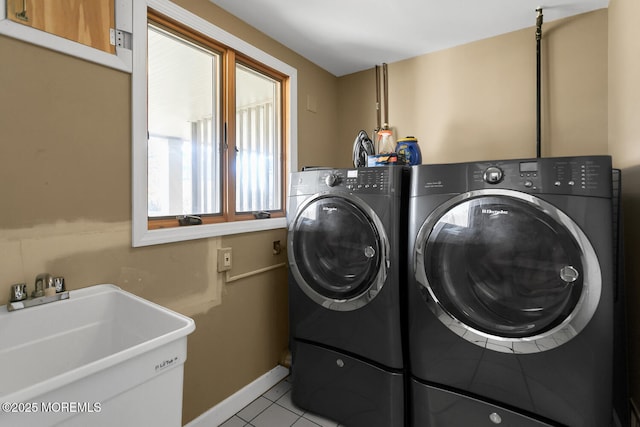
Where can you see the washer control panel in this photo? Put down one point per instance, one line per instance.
(361, 180)
(589, 175)
(584, 175)
(370, 180)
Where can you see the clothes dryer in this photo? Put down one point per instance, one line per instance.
(344, 244)
(510, 293)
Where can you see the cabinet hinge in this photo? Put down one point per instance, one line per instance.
(120, 38)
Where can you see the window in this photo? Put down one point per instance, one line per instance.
(213, 130)
(184, 143)
(258, 148)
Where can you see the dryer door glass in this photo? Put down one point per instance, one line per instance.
(337, 248)
(503, 267)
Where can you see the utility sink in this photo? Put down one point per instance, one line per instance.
(103, 357)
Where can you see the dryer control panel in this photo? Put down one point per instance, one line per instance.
(588, 175)
(370, 180)
(584, 175)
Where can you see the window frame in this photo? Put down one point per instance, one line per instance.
(142, 234)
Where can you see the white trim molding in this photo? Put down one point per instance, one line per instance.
(234, 403)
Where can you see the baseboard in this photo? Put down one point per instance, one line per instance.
(234, 403)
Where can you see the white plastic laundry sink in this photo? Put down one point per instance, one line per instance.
(103, 357)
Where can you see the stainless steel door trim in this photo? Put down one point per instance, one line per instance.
(555, 337)
(373, 288)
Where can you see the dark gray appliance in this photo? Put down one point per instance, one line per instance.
(510, 297)
(621, 405)
(344, 244)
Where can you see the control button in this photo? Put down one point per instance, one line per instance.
(557, 183)
(493, 175)
(332, 180)
(571, 183)
(528, 184)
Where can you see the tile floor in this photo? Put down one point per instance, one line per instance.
(275, 409)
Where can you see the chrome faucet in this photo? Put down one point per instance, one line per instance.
(47, 289)
(43, 281)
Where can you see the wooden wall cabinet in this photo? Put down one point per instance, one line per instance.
(90, 22)
(100, 31)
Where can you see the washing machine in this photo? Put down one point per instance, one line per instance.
(510, 293)
(345, 236)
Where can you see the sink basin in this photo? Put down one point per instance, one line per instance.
(103, 357)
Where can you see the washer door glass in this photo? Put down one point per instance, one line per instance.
(338, 251)
(503, 266)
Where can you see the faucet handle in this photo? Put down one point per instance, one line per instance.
(58, 283)
(18, 292)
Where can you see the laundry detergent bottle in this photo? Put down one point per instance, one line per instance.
(408, 151)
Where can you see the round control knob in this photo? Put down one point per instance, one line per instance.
(493, 175)
(332, 180)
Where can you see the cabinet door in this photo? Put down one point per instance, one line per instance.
(85, 21)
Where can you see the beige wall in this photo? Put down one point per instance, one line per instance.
(65, 188)
(624, 145)
(357, 111)
(477, 101)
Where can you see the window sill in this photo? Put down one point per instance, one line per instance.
(146, 237)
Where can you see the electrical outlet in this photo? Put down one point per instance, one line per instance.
(224, 259)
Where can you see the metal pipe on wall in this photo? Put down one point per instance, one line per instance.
(385, 89)
(378, 106)
(539, 19)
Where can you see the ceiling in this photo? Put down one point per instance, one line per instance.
(346, 36)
